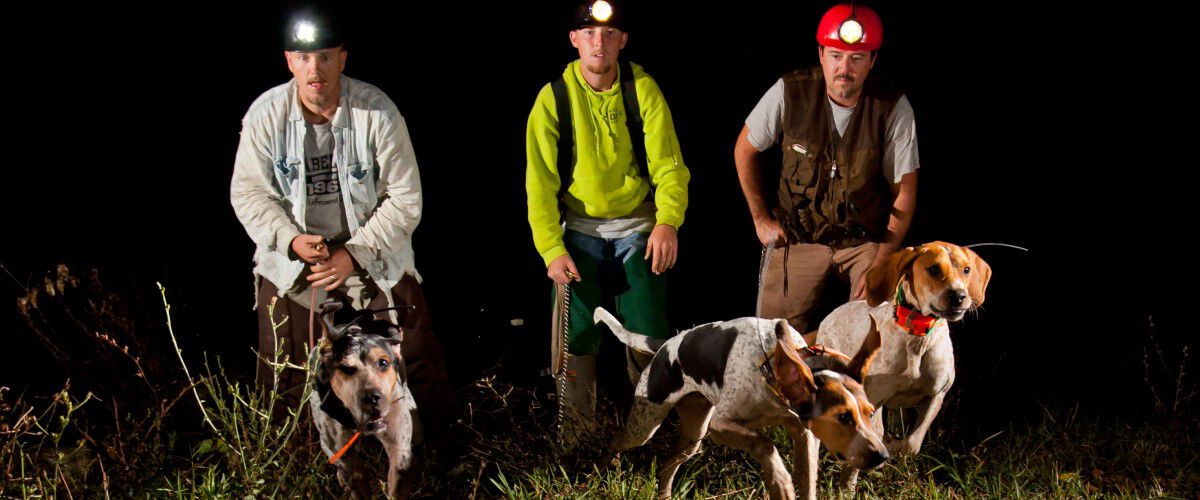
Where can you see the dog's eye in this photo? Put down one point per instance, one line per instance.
(846, 418)
(934, 271)
(348, 370)
(967, 270)
(383, 364)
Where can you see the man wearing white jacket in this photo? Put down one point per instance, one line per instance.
(326, 184)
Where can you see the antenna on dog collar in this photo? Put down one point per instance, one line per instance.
(370, 312)
(367, 313)
(1006, 245)
(334, 333)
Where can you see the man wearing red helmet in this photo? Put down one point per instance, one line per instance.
(848, 182)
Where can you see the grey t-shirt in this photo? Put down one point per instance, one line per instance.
(324, 214)
(641, 220)
(900, 155)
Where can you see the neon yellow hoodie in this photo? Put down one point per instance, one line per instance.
(606, 182)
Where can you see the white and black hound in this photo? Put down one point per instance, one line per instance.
(729, 379)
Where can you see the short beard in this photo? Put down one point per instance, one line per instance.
(600, 70)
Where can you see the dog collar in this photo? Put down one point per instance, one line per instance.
(910, 319)
(769, 376)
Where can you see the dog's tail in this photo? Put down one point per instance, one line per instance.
(639, 342)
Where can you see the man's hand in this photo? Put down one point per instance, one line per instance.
(881, 256)
(562, 270)
(333, 272)
(310, 248)
(663, 248)
(769, 230)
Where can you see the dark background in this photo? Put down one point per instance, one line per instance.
(1035, 129)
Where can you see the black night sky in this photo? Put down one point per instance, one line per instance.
(1033, 125)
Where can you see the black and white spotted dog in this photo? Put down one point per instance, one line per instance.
(729, 379)
(361, 386)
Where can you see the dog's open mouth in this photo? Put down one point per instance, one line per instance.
(954, 314)
(950, 314)
(375, 425)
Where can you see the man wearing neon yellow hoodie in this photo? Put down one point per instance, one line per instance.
(607, 192)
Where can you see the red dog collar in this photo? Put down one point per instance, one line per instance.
(910, 319)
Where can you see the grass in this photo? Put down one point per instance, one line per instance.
(171, 431)
(1063, 455)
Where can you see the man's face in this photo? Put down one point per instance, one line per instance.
(598, 47)
(845, 71)
(317, 74)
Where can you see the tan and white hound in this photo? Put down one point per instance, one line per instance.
(912, 297)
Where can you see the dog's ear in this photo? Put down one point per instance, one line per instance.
(395, 335)
(326, 311)
(861, 364)
(794, 377)
(978, 278)
(882, 278)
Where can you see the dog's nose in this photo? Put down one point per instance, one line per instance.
(875, 458)
(372, 397)
(956, 297)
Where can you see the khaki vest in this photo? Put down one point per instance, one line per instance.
(818, 203)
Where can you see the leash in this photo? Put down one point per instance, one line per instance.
(762, 272)
(312, 304)
(561, 325)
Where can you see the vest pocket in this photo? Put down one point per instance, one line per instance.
(798, 173)
(799, 164)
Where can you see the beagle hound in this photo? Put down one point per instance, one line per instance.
(913, 295)
(729, 379)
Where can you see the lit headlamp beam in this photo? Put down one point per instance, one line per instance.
(306, 32)
(851, 31)
(602, 11)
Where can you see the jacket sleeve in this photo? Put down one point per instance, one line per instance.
(389, 229)
(667, 171)
(541, 177)
(256, 201)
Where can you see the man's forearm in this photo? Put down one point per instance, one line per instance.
(745, 157)
(903, 206)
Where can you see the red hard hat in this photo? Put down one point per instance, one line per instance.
(850, 27)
